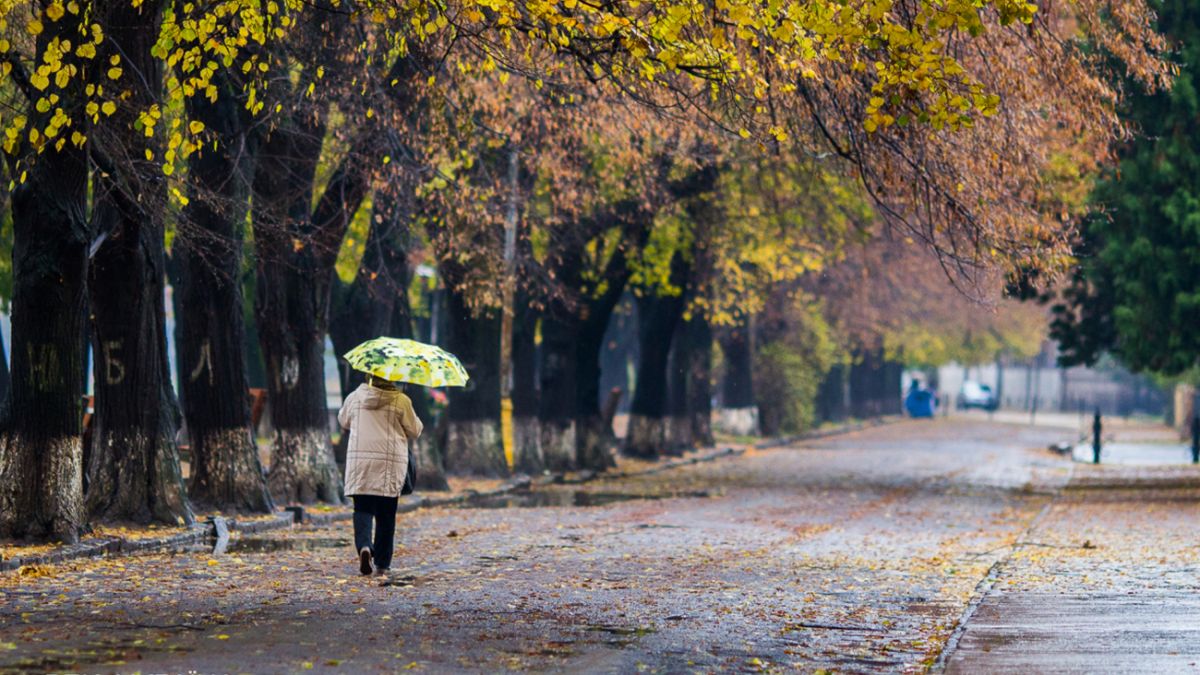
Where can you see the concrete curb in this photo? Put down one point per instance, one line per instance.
(202, 533)
(837, 430)
(665, 466)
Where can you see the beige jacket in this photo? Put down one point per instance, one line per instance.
(381, 423)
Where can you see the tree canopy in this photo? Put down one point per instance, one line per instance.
(1136, 291)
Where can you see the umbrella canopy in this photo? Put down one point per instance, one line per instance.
(401, 360)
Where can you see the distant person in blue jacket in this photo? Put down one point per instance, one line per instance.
(920, 402)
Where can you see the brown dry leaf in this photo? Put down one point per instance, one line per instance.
(34, 571)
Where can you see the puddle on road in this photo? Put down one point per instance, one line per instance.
(564, 498)
(271, 544)
(620, 636)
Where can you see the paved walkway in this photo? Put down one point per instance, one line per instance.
(856, 553)
(1105, 581)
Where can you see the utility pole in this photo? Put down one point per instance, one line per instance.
(506, 319)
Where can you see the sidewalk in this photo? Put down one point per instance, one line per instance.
(1103, 582)
(108, 540)
(105, 540)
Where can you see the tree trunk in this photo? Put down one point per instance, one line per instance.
(832, 395)
(699, 336)
(657, 319)
(41, 476)
(210, 333)
(865, 377)
(133, 468)
(527, 443)
(473, 442)
(678, 427)
(594, 431)
(557, 410)
(291, 323)
(739, 408)
(298, 247)
(692, 414)
(891, 400)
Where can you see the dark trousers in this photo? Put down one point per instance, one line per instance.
(382, 512)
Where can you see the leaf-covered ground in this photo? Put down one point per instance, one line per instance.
(1106, 581)
(851, 554)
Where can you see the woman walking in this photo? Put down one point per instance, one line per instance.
(381, 423)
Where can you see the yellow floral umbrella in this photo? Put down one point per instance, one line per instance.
(401, 360)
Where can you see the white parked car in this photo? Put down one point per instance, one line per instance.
(976, 395)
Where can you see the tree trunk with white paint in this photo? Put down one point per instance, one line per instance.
(473, 442)
(657, 318)
(558, 406)
(677, 432)
(133, 466)
(289, 308)
(41, 477)
(226, 472)
(698, 334)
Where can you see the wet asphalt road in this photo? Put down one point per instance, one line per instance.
(858, 553)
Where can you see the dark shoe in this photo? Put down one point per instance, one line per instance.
(364, 561)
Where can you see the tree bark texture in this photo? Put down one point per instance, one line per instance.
(833, 404)
(41, 475)
(657, 318)
(593, 429)
(210, 331)
(473, 441)
(558, 407)
(290, 308)
(296, 272)
(527, 444)
(133, 466)
(699, 337)
(678, 426)
(875, 385)
(737, 384)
